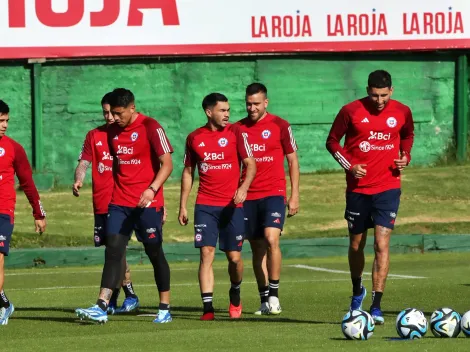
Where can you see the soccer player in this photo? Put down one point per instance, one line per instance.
(216, 150)
(142, 160)
(271, 141)
(379, 136)
(13, 160)
(95, 151)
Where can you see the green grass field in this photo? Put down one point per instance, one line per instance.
(313, 302)
(434, 200)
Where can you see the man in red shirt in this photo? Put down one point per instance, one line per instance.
(95, 151)
(379, 136)
(142, 163)
(216, 150)
(13, 160)
(271, 140)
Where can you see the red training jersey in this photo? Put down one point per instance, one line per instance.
(95, 150)
(136, 149)
(217, 155)
(374, 138)
(13, 160)
(271, 139)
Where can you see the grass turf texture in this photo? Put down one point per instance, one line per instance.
(434, 200)
(314, 303)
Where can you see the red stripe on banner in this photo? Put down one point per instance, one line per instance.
(213, 49)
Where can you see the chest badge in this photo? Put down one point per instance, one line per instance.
(2, 152)
(134, 136)
(266, 134)
(391, 122)
(223, 142)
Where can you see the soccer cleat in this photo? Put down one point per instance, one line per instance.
(377, 315)
(5, 314)
(274, 305)
(207, 316)
(94, 313)
(130, 304)
(163, 316)
(235, 312)
(263, 309)
(112, 307)
(356, 301)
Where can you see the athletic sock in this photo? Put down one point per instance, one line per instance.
(273, 288)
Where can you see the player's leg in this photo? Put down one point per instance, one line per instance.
(205, 238)
(385, 209)
(119, 228)
(259, 247)
(150, 233)
(357, 214)
(274, 211)
(232, 234)
(6, 230)
(131, 302)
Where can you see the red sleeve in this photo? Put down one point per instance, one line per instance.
(289, 145)
(338, 130)
(189, 155)
(87, 152)
(158, 139)
(407, 135)
(243, 147)
(25, 176)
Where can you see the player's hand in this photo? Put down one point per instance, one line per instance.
(146, 198)
(359, 170)
(40, 226)
(75, 188)
(183, 217)
(402, 162)
(240, 195)
(164, 216)
(293, 206)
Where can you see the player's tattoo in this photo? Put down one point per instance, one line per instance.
(80, 171)
(127, 276)
(106, 293)
(383, 231)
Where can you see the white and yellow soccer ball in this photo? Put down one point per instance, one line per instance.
(358, 325)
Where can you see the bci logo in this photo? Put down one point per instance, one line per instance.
(213, 156)
(258, 147)
(125, 150)
(379, 136)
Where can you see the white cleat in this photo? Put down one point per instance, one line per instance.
(263, 309)
(274, 305)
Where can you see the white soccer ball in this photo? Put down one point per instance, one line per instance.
(445, 322)
(358, 325)
(465, 324)
(411, 324)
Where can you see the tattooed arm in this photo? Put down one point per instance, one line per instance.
(80, 173)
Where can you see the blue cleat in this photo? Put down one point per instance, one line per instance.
(94, 313)
(5, 314)
(377, 315)
(112, 307)
(163, 316)
(129, 305)
(356, 301)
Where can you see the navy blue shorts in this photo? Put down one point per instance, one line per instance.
(100, 229)
(227, 224)
(365, 211)
(6, 230)
(146, 222)
(263, 213)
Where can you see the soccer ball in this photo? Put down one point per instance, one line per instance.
(411, 324)
(358, 325)
(445, 322)
(465, 324)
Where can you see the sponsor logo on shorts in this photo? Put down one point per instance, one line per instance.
(277, 221)
(350, 218)
(1, 244)
(151, 230)
(393, 215)
(239, 238)
(352, 213)
(152, 236)
(276, 215)
(98, 228)
(200, 225)
(97, 239)
(350, 225)
(3, 238)
(198, 230)
(198, 237)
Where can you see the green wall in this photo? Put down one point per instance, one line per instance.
(306, 90)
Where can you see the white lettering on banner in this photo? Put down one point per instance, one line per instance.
(379, 136)
(125, 150)
(89, 28)
(213, 156)
(258, 147)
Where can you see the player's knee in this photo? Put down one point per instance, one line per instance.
(154, 251)
(381, 247)
(272, 237)
(234, 257)
(207, 254)
(115, 247)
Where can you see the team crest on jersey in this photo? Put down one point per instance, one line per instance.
(223, 142)
(2, 152)
(204, 167)
(100, 168)
(266, 134)
(391, 122)
(134, 136)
